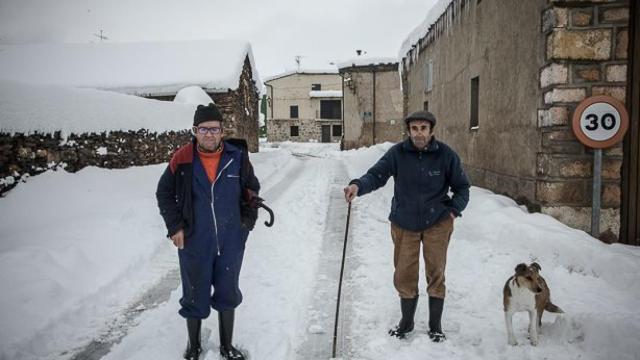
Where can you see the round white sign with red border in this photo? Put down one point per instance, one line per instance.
(600, 121)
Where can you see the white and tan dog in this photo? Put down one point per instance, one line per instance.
(527, 291)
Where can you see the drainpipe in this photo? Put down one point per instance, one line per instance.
(374, 107)
(343, 127)
(272, 100)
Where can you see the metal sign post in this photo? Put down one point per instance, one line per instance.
(595, 197)
(599, 122)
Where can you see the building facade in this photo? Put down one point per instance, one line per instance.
(372, 100)
(504, 77)
(304, 106)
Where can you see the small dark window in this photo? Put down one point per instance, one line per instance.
(294, 131)
(293, 111)
(316, 87)
(473, 115)
(330, 109)
(337, 130)
(425, 106)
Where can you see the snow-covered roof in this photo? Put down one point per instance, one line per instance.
(325, 93)
(139, 68)
(302, 71)
(46, 109)
(421, 30)
(367, 61)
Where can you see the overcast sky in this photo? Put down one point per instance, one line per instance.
(319, 31)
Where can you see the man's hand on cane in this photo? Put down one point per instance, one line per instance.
(350, 192)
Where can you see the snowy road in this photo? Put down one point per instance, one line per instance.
(76, 292)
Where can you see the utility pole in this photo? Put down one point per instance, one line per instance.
(101, 37)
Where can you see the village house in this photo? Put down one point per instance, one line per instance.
(224, 69)
(504, 78)
(304, 106)
(372, 102)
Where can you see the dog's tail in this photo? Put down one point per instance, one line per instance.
(550, 307)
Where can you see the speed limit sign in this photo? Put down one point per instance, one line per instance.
(600, 122)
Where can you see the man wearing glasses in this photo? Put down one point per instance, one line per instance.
(199, 198)
(424, 170)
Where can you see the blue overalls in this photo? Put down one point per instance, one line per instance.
(212, 254)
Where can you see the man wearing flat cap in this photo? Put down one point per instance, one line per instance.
(422, 212)
(199, 196)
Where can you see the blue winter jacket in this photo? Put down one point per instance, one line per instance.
(422, 182)
(174, 192)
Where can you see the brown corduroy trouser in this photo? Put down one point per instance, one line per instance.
(435, 241)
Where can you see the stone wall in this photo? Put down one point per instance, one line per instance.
(23, 155)
(308, 130)
(586, 54)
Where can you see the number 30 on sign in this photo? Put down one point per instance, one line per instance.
(600, 122)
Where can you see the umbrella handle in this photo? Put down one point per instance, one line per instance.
(271, 217)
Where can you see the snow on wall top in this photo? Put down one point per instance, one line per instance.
(367, 61)
(46, 109)
(421, 30)
(301, 71)
(325, 93)
(138, 68)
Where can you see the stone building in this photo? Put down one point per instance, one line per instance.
(372, 102)
(304, 106)
(224, 69)
(504, 77)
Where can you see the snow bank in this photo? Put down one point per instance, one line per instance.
(67, 238)
(594, 283)
(134, 68)
(46, 109)
(193, 95)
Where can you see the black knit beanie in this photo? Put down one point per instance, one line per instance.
(206, 113)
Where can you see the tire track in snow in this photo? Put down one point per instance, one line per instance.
(319, 323)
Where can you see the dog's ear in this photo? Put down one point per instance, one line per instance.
(521, 269)
(536, 266)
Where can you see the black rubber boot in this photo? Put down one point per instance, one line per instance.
(225, 325)
(193, 346)
(406, 324)
(435, 316)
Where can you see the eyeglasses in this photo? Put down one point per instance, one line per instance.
(203, 130)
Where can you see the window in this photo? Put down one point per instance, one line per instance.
(337, 130)
(294, 131)
(428, 76)
(330, 109)
(293, 111)
(425, 106)
(473, 115)
(316, 87)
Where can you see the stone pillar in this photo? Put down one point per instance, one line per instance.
(585, 55)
